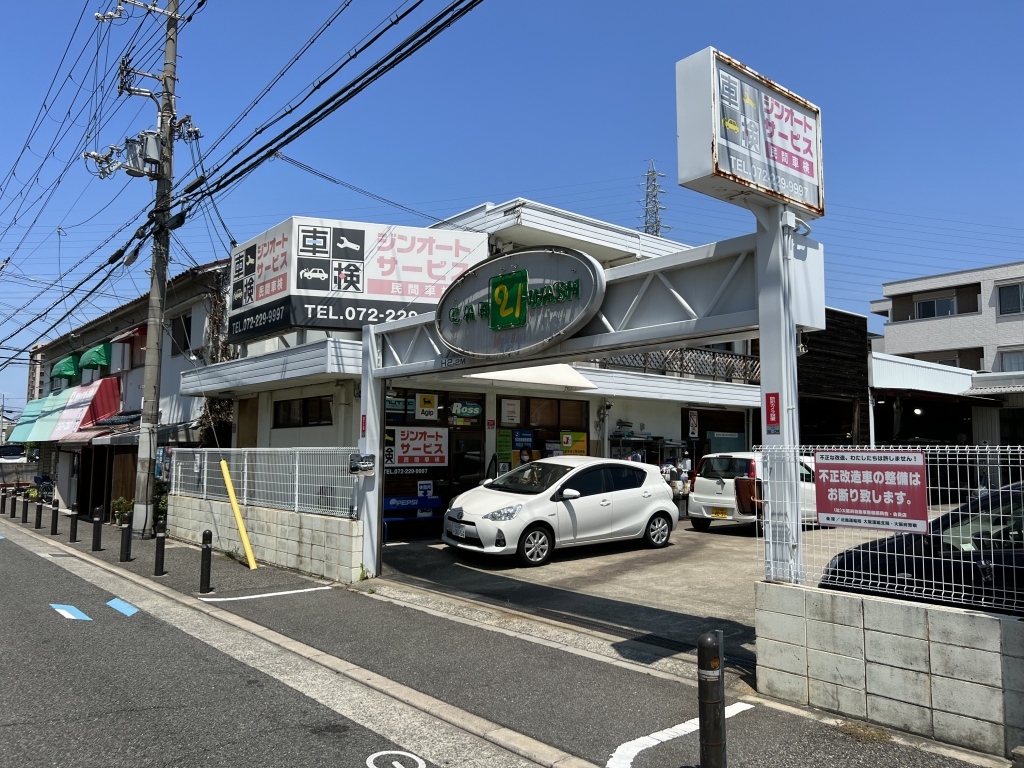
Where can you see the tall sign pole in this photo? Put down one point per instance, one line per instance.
(158, 281)
(744, 139)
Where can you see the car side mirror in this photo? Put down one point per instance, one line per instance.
(568, 494)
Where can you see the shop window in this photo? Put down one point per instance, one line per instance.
(1009, 299)
(138, 352)
(936, 307)
(181, 335)
(304, 412)
(543, 413)
(573, 414)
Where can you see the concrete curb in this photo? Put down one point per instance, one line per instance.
(511, 741)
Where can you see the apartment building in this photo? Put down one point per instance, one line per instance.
(970, 319)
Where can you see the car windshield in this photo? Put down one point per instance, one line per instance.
(533, 478)
(724, 468)
(998, 524)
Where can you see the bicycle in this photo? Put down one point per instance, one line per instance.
(44, 485)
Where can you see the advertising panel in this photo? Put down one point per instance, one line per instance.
(886, 490)
(325, 273)
(412, 446)
(574, 443)
(752, 137)
(771, 413)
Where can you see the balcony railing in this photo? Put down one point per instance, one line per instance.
(716, 365)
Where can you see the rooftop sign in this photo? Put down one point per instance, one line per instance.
(520, 303)
(740, 135)
(324, 273)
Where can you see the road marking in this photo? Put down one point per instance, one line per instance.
(253, 597)
(624, 755)
(69, 612)
(120, 605)
(1, 537)
(371, 761)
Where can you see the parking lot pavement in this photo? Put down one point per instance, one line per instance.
(671, 596)
(85, 683)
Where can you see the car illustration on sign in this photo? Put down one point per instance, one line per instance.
(313, 274)
(731, 124)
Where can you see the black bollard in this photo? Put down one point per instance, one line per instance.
(207, 562)
(126, 540)
(39, 514)
(161, 539)
(14, 504)
(74, 524)
(711, 707)
(54, 512)
(3, 501)
(97, 529)
(24, 508)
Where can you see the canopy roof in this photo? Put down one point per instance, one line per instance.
(66, 368)
(96, 357)
(25, 423)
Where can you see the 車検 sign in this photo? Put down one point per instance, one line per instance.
(324, 273)
(872, 489)
(520, 303)
(740, 135)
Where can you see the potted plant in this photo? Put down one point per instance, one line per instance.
(122, 507)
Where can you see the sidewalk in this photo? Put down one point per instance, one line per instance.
(561, 687)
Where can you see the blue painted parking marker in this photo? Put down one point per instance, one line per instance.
(1, 537)
(69, 612)
(120, 605)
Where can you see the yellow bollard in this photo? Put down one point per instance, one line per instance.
(238, 515)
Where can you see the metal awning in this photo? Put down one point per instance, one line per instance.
(167, 434)
(560, 375)
(26, 421)
(82, 437)
(125, 336)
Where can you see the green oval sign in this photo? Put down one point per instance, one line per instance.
(466, 410)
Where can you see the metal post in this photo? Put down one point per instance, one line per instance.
(711, 707)
(158, 277)
(14, 504)
(97, 529)
(24, 507)
(206, 470)
(3, 501)
(245, 478)
(54, 512)
(126, 540)
(207, 562)
(74, 526)
(161, 540)
(296, 481)
(39, 514)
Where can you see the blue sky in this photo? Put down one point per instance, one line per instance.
(563, 102)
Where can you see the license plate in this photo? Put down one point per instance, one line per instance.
(458, 530)
(719, 511)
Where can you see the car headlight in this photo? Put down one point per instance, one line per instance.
(505, 513)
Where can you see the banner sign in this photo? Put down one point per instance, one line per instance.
(693, 424)
(416, 445)
(325, 273)
(574, 443)
(887, 490)
(771, 413)
(741, 135)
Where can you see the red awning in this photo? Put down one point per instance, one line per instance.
(88, 404)
(82, 437)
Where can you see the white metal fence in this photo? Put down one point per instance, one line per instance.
(313, 480)
(970, 551)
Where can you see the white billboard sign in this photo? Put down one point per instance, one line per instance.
(740, 135)
(325, 273)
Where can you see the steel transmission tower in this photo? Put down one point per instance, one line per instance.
(652, 204)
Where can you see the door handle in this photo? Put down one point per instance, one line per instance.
(647, 494)
(605, 502)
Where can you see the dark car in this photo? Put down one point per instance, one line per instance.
(974, 555)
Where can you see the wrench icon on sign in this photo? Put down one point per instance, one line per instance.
(344, 243)
(371, 761)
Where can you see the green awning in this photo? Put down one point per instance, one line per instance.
(49, 415)
(66, 368)
(26, 421)
(95, 357)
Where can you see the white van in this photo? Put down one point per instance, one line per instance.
(713, 490)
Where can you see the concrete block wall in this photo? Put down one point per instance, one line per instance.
(321, 545)
(950, 674)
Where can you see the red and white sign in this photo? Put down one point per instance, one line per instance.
(887, 490)
(771, 412)
(416, 446)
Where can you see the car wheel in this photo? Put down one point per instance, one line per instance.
(535, 546)
(659, 528)
(701, 524)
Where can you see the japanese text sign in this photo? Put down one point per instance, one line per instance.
(771, 413)
(341, 274)
(887, 490)
(765, 140)
(416, 446)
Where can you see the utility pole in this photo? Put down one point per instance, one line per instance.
(652, 202)
(158, 280)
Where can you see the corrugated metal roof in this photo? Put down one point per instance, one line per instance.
(893, 372)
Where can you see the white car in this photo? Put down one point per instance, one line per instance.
(313, 274)
(564, 501)
(713, 490)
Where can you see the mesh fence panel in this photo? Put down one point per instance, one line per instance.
(296, 479)
(971, 551)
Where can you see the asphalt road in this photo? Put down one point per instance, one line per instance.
(133, 691)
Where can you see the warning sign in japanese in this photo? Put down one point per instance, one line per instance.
(887, 490)
(310, 273)
(416, 446)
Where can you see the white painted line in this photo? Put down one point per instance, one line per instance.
(624, 755)
(371, 761)
(253, 597)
